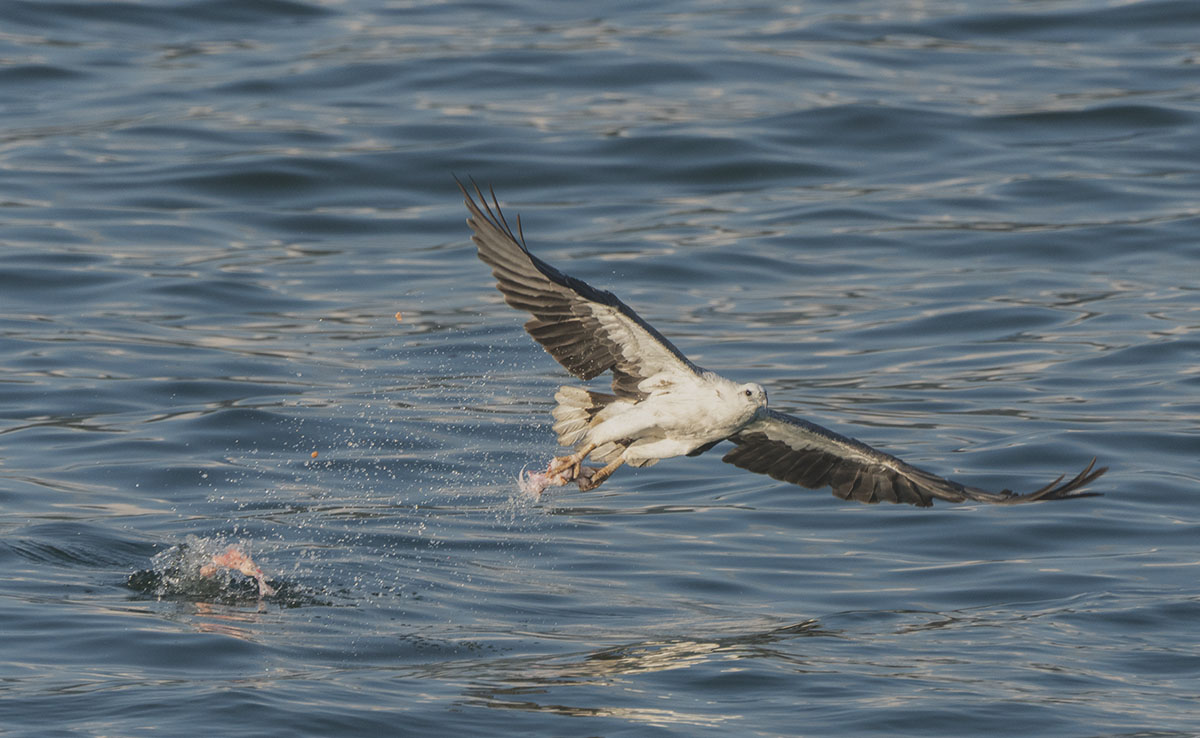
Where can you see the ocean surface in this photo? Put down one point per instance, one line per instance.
(239, 307)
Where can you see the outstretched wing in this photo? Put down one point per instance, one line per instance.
(794, 450)
(589, 331)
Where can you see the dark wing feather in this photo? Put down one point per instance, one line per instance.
(794, 450)
(588, 331)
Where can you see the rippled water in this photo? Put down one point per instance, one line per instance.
(964, 232)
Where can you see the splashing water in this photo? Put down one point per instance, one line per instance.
(203, 569)
(235, 559)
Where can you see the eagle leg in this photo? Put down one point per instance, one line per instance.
(563, 463)
(597, 477)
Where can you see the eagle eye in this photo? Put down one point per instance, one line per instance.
(749, 393)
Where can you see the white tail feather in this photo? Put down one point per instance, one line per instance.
(577, 409)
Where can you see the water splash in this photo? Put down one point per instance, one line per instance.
(204, 569)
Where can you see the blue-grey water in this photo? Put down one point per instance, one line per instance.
(966, 232)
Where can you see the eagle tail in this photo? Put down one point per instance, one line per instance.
(577, 409)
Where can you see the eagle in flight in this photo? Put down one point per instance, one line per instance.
(662, 405)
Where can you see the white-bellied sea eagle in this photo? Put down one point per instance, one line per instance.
(662, 405)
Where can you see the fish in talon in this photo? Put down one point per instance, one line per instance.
(535, 483)
(583, 480)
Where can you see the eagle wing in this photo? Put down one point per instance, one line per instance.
(794, 450)
(588, 331)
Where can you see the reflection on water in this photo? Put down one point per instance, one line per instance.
(637, 715)
(519, 684)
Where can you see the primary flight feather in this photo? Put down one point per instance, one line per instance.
(662, 405)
